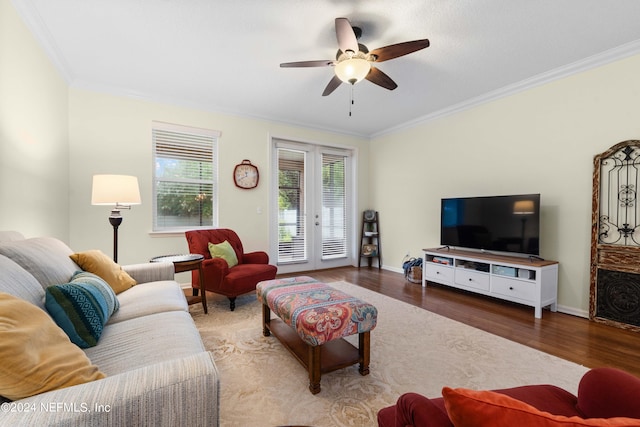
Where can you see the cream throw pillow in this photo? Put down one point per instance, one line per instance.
(37, 356)
(98, 263)
(225, 251)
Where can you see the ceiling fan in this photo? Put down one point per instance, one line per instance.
(354, 61)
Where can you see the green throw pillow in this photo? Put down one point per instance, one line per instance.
(225, 251)
(81, 308)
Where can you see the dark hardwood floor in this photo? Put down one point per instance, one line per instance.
(572, 338)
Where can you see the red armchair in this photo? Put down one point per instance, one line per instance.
(252, 268)
(602, 393)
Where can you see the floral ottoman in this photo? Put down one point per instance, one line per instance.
(313, 319)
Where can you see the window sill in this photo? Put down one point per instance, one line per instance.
(168, 233)
(178, 232)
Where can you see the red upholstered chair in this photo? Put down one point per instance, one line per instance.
(252, 268)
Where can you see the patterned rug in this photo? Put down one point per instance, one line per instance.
(411, 350)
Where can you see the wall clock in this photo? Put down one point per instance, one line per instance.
(246, 175)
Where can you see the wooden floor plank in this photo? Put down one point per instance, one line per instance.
(570, 337)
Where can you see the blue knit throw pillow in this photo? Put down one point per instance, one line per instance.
(80, 309)
(105, 289)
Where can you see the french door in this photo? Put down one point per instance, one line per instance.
(313, 228)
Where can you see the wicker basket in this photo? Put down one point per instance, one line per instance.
(415, 275)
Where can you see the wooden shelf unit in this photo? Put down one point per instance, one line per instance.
(370, 248)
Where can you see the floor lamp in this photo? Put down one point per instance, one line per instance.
(121, 191)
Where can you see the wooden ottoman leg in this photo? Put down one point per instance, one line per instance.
(266, 318)
(314, 369)
(364, 341)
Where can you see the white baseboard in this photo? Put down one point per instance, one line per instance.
(394, 269)
(573, 311)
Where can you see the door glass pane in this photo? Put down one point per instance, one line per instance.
(292, 245)
(334, 207)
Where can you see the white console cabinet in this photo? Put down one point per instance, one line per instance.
(526, 281)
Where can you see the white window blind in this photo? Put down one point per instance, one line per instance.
(292, 243)
(185, 177)
(334, 207)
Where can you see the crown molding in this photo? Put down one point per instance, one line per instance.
(111, 90)
(594, 61)
(32, 19)
(30, 16)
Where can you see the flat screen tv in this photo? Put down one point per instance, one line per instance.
(496, 223)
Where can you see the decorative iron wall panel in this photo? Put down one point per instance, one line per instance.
(615, 237)
(618, 213)
(618, 297)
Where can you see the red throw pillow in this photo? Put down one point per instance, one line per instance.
(470, 408)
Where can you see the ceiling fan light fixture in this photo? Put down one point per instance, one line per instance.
(352, 70)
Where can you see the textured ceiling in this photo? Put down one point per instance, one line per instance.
(224, 55)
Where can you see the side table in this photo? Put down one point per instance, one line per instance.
(189, 262)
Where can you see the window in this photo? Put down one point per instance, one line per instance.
(185, 192)
(334, 206)
(291, 206)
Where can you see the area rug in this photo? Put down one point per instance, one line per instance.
(411, 350)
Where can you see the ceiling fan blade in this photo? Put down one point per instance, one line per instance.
(395, 50)
(333, 85)
(346, 37)
(381, 79)
(321, 63)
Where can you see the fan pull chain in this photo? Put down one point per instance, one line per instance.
(351, 102)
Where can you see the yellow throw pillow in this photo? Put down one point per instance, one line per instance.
(225, 251)
(37, 356)
(98, 263)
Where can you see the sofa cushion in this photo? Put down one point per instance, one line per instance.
(149, 298)
(18, 282)
(225, 251)
(244, 277)
(471, 408)
(146, 340)
(96, 262)
(46, 258)
(10, 236)
(80, 309)
(36, 354)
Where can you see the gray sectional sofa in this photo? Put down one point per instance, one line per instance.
(158, 372)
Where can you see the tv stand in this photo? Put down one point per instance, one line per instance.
(529, 281)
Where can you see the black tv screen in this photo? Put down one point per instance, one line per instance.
(497, 223)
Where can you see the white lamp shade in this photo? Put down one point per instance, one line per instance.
(523, 207)
(115, 190)
(352, 70)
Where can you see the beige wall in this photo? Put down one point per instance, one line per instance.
(53, 139)
(111, 134)
(34, 156)
(542, 140)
